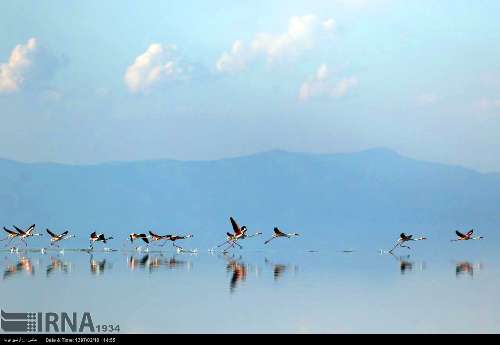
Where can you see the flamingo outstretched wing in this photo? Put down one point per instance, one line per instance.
(21, 232)
(279, 232)
(236, 227)
(10, 231)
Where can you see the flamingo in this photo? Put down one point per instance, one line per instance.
(174, 238)
(405, 238)
(467, 236)
(10, 235)
(279, 233)
(239, 233)
(25, 234)
(156, 237)
(231, 239)
(133, 236)
(54, 238)
(98, 238)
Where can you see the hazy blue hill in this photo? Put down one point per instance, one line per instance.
(344, 198)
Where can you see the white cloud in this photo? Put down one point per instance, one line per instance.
(302, 34)
(234, 60)
(157, 65)
(27, 64)
(320, 85)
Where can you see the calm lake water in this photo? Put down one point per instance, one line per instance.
(261, 291)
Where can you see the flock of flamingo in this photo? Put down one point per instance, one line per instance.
(231, 241)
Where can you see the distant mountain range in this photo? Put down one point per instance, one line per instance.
(328, 198)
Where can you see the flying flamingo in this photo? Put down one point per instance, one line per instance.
(54, 238)
(25, 234)
(279, 233)
(239, 233)
(10, 235)
(230, 239)
(467, 236)
(133, 236)
(156, 237)
(174, 238)
(403, 238)
(97, 238)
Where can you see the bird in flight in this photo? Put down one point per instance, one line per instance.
(467, 236)
(174, 238)
(239, 233)
(133, 236)
(98, 238)
(279, 233)
(25, 234)
(10, 235)
(403, 238)
(54, 238)
(156, 237)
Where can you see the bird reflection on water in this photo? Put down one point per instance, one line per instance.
(57, 265)
(155, 262)
(280, 269)
(24, 264)
(466, 268)
(405, 265)
(97, 267)
(238, 269)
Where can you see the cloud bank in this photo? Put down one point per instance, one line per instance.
(28, 64)
(158, 65)
(302, 34)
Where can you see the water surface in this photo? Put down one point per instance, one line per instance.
(260, 291)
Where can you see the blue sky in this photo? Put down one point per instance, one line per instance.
(123, 80)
